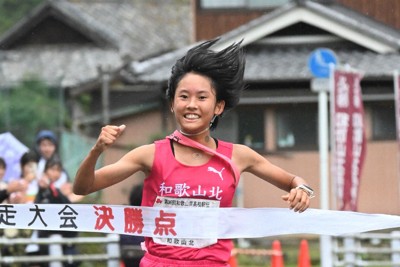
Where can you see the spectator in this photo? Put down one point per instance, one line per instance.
(49, 194)
(3, 167)
(47, 147)
(29, 165)
(8, 189)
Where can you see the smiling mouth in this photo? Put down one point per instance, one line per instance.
(191, 116)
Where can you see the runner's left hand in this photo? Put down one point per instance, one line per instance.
(298, 200)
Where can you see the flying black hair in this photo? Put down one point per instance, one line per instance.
(224, 68)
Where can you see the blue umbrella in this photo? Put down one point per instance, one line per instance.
(11, 149)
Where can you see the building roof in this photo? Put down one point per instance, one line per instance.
(57, 66)
(357, 40)
(113, 32)
(274, 64)
(331, 17)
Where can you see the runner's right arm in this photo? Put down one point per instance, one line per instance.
(88, 180)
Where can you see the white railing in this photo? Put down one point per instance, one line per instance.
(111, 254)
(367, 249)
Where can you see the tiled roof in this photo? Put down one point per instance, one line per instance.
(120, 29)
(140, 28)
(58, 66)
(290, 63)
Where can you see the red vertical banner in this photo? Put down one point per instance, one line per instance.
(348, 135)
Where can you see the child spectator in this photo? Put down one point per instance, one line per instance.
(48, 193)
(29, 162)
(10, 191)
(3, 167)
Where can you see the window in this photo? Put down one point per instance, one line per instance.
(252, 4)
(383, 121)
(297, 127)
(251, 126)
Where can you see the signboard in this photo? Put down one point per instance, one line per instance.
(11, 149)
(319, 62)
(349, 144)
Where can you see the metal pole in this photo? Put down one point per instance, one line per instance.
(323, 146)
(349, 255)
(113, 250)
(325, 241)
(55, 250)
(321, 85)
(395, 247)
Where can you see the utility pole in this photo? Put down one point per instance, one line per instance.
(105, 94)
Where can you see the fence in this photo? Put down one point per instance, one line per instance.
(367, 249)
(111, 254)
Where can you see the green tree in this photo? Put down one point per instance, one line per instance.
(13, 10)
(27, 108)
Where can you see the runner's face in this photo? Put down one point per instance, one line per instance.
(195, 103)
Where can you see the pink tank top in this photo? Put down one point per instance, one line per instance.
(171, 179)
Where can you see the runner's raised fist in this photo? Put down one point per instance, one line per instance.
(108, 135)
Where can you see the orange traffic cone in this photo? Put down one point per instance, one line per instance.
(277, 256)
(232, 260)
(304, 255)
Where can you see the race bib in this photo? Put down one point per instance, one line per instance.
(169, 202)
